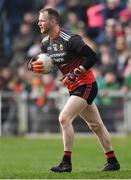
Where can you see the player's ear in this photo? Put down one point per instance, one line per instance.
(53, 21)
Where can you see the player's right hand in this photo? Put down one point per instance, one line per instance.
(38, 67)
(29, 63)
(34, 65)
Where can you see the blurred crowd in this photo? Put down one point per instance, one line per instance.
(105, 26)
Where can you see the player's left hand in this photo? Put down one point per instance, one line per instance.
(68, 79)
(72, 77)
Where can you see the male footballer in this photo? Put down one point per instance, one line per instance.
(74, 59)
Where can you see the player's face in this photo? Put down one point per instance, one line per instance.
(44, 23)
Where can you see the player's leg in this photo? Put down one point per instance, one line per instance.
(92, 117)
(71, 109)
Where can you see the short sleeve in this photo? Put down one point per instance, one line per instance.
(76, 43)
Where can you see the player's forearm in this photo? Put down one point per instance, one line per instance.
(90, 56)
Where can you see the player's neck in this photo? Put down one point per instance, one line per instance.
(55, 32)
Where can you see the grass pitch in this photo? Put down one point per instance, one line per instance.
(25, 158)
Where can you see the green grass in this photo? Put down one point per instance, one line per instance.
(26, 158)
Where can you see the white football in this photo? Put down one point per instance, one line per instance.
(47, 62)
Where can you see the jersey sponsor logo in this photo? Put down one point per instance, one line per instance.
(58, 60)
(58, 57)
(58, 54)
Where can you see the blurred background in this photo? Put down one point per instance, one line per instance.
(30, 104)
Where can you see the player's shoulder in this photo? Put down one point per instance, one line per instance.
(45, 39)
(66, 34)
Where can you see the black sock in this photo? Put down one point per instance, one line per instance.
(111, 157)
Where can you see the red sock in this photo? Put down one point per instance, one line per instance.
(110, 154)
(111, 157)
(67, 153)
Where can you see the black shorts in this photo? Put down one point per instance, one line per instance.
(86, 91)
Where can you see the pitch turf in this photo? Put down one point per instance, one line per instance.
(25, 158)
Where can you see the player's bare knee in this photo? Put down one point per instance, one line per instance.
(96, 127)
(63, 119)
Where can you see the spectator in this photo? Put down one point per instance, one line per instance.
(14, 11)
(22, 41)
(49, 83)
(127, 30)
(127, 70)
(109, 33)
(121, 57)
(119, 29)
(7, 76)
(106, 63)
(127, 78)
(113, 8)
(125, 14)
(110, 84)
(95, 20)
(37, 99)
(73, 22)
(100, 81)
